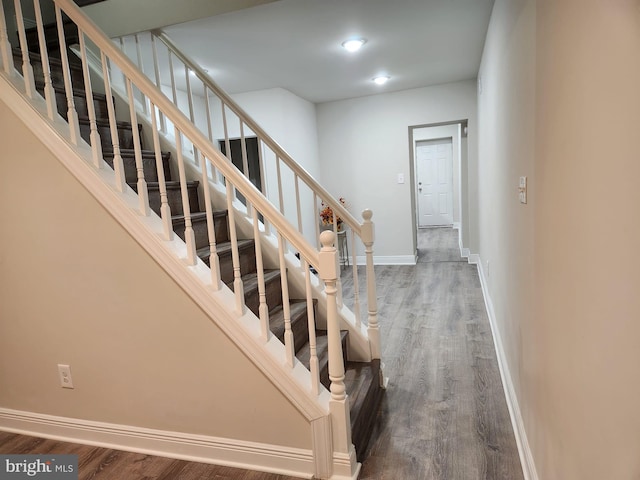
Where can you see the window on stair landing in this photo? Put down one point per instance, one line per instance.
(253, 160)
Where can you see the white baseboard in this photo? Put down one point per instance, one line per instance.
(184, 446)
(456, 225)
(524, 450)
(474, 259)
(389, 260)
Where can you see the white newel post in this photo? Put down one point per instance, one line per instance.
(368, 235)
(339, 403)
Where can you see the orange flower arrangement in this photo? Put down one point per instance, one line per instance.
(326, 214)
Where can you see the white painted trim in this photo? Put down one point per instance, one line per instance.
(524, 450)
(456, 225)
(389, 260)
(465, 252)
(184, 446)
(473, 258)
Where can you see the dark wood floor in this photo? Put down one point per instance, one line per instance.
(444, 415)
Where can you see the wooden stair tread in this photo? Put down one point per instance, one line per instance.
(362, 381)
(224, 248)
(170, 184)
(298, 313)
(322, 348)
(130, 152)
(195, 216)
(250, 280)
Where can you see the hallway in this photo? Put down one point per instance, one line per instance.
(444, 415)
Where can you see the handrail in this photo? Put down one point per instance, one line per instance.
(335, 205)
(195, 136)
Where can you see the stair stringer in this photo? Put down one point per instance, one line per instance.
(243, 330)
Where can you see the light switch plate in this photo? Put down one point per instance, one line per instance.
(522, 190)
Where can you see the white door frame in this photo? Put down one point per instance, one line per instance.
(457, 131)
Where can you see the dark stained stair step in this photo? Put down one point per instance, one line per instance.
(125, 133)
(174, 196)
(299, 323)
(199, 225)
(246, 252)
(273, 290)
(322, 349)
(362, 381)
(148, 164)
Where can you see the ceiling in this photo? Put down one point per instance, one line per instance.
(296, 45)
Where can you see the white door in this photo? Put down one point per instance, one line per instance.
(434, 167)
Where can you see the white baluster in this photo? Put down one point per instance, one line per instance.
(356, 287)
(280, 192)
(189, 235)
(368, 235)
(227, 143)
(289, 343)
(165, 208)
(174, 92)
(5, 45)
(72, 114)
(156, 70)
(339, 404)
(263, 186)
(190, 103)
(143, 193)
(94, 136)
(118, 166)
(145, 107)
(298, 208)
(207, 111)
(263, 309)
(339, 280)
(214, 259)
(238, 286)
(314, 364)
(49, 93)
(245, 161)
(27, 69)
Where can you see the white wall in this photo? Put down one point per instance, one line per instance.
(559, 105)
(75, 288)
(364, 143)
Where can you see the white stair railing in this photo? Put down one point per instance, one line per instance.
(213, 168)
(300, 199)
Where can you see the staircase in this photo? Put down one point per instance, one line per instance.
(166, 185)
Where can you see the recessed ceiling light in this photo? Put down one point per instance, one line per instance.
(381, 80)
(354, 44)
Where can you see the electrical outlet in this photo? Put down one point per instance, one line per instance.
(64, 372)
(401, 178)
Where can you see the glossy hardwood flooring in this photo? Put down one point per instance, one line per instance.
(444, 415)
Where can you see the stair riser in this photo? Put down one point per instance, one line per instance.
(125, 134)
(148, 167)
(199, 229)
(273, 290)
(174, 198)
(247, 263)
(80, 102)
(55, 68)
(300, 329)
